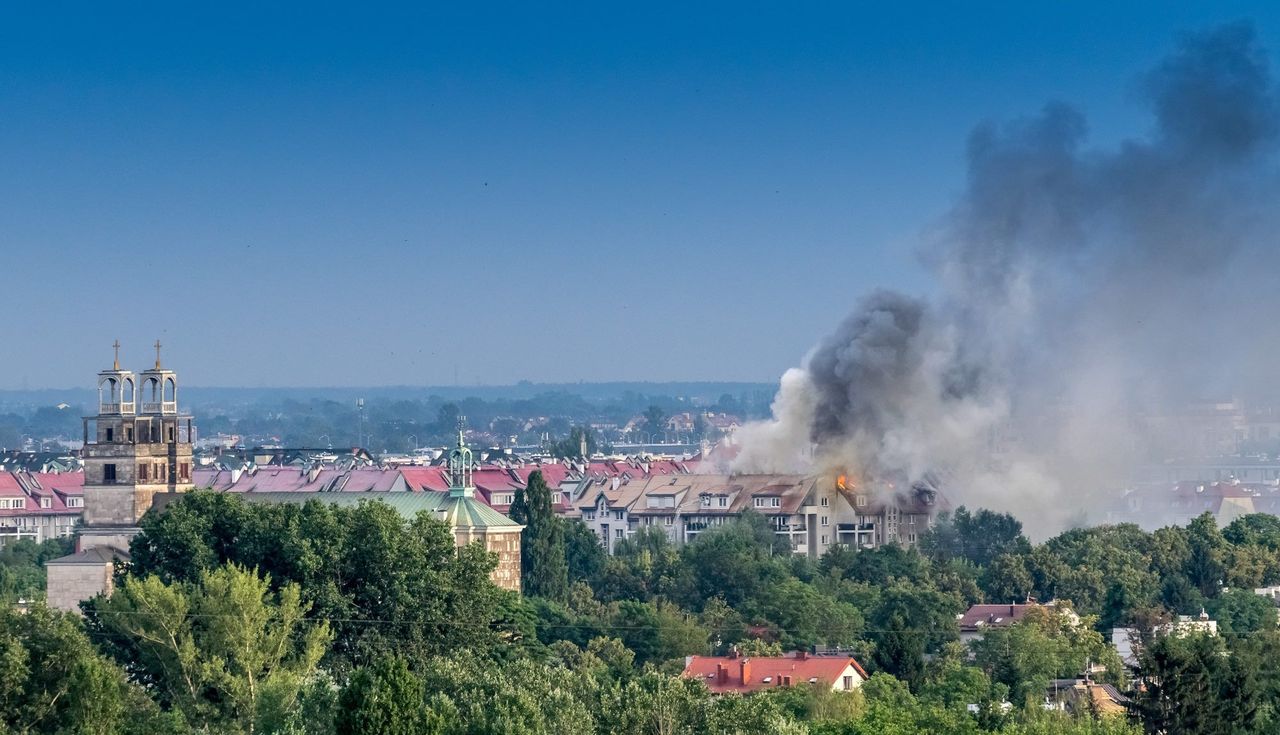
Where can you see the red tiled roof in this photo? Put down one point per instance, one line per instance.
(825, 669)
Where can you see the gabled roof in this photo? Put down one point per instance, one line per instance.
(802, 670)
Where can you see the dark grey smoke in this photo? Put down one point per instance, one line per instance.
(1081, 290)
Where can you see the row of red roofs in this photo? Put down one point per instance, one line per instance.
(44, 493)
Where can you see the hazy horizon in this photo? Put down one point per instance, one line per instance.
(425, 196)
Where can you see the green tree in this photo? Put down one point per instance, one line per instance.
(658, 632)
(352, 565)
(584, 555)
(226, 652)
(908, 622)
(384, 698)
(1255, 529)
(53, 681)
(1194, 685)
(1206, 564)
(543, 569)
(22, 574)
(979, 537)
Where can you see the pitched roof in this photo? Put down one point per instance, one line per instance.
(802, 669)
(457, 512)
(96, 555)
(993, 616)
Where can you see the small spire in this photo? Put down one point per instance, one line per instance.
(157, 354)
(116, 346)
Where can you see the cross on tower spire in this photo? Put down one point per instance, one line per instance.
(116, 346)
(157, 354)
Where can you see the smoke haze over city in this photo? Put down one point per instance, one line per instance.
(1083, 286)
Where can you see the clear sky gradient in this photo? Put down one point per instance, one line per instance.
(343, 195)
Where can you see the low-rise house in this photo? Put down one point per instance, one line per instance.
(978, 619)
(1085, 697)
(743, 675)
(1128, 641)
(40, 505)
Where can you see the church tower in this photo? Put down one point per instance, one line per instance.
(137, 445)
(472, 521)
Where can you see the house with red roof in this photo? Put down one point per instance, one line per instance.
(735, 674)
(40, 505)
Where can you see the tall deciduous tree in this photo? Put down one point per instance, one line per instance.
(226, 652)
(53, 681)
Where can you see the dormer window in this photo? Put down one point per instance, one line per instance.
(46, 503)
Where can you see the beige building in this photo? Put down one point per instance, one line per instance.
(812, 512)
(138, 445)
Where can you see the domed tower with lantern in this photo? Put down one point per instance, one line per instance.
(473, 521)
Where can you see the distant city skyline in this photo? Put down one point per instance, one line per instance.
(329, 196)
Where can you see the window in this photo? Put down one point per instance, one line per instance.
(617, 533)
(128, 434)
(759, 502)
(723, 501)
(184, 472)
(668, 520)
(109, 474)
(775, 502)
(589, 515)
(825, 502)
(826, 540)
(46, 503)
(110, 434)
(862, 501)
(75, 502)
(706, 501)
(170, 434)
(823, 521)
(617, 515)
(848, 683)
(142, 472)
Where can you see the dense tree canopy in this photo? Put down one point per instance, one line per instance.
(243, 617)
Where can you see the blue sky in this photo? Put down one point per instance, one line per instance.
(346, 195)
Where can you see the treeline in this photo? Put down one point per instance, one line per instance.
(238, 617)
(399, 425)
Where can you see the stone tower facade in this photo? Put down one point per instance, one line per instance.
(138, 445)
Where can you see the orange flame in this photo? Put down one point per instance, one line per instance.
(841, 482)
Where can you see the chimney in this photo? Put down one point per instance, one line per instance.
(802, 654)
(722, 674)
(745, 669)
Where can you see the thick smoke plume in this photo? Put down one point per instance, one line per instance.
(1080, 290)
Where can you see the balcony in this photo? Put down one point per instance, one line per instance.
(124, 408)
(160, 407)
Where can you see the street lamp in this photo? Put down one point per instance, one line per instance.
(327, 440)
